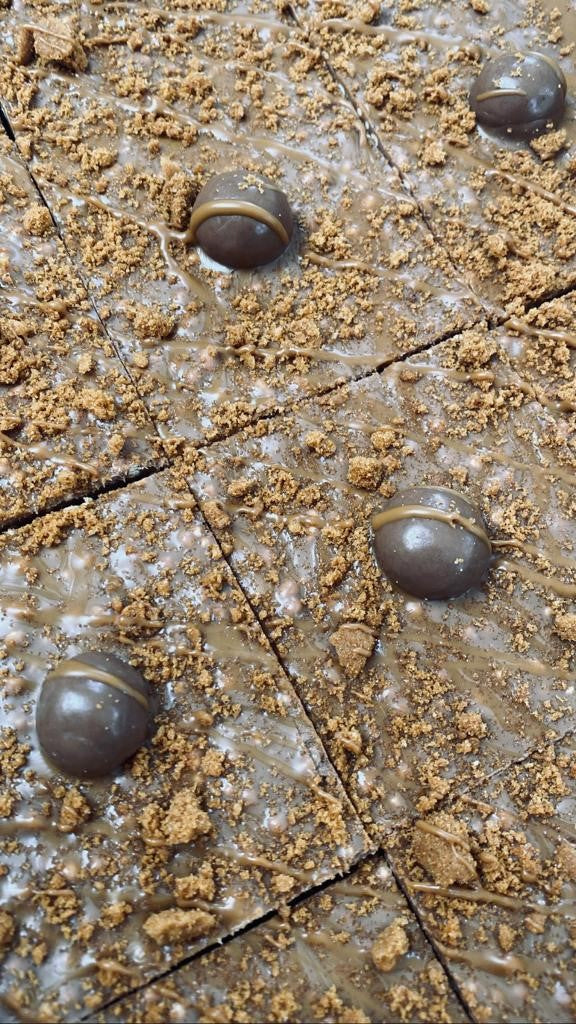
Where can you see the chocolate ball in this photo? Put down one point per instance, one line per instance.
(93, 713)
(519, 94)
(241, 220)
(432, 542)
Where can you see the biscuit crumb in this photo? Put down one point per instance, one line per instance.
(354, 644)
(443, 849)
(565, 626)
(185, 821)
(390, 945)
(37, 219)
(365, 472)
(7, 930)
(549, 145)
(197, 886)
(74, 811)
(170, 926)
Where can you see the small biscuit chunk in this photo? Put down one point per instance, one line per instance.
(441, 846)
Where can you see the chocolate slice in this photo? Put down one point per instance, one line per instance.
(356, 944)
(93, 713)
(504, 209)
(439, 692)
(229, 809)
(519, 94)
(70, 419)
(241, 220)
(211, 349)
(506, 933)
(432, 542)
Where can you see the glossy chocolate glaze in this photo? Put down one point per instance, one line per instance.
(520, 95)
(92, 866)
(70, 419)
(241, 221)
(298, 503)
(431, 542)
(93, 713)
(367, 281)
(264, 969)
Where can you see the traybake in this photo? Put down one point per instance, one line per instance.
(352, 803)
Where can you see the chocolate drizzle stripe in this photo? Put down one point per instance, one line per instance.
(74, 667)
(568, 337)
(494, 963)
(531, 186)
(531, 576)
(490, 94)
(392, 515)
(481, 895)
(441, 833)
(235, 208)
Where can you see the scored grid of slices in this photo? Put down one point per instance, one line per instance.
(493, 405)
(231, 809)
(71, 420)
(503, 208)
(119, 150)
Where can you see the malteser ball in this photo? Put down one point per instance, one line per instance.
(432, 542)
(93, 713)
(241, 220)
(519, 94)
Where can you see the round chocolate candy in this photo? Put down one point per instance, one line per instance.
(241, 220)
(432, 542)
(519, 94)
(93, 713)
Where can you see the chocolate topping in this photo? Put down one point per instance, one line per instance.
(93, 714)
(519, 94)
(241, 221)
(432, 542)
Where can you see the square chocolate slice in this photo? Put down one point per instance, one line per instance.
(493, 876)
(121, 147)
(413, 698)
(495, 183)
(228, 810)
(354, 953)
(70, 418)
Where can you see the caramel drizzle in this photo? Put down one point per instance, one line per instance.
(326, 261)
(481, 895)
(40, 452)
(75, 667)
(235, 208)
(531, 186)
(276, 866)
(481, 657)
(273, 762)
(392, 515)
(164, 236)
(567, 337)
(491, 94)
(441, 833)
(556, 586)
(493, 962)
